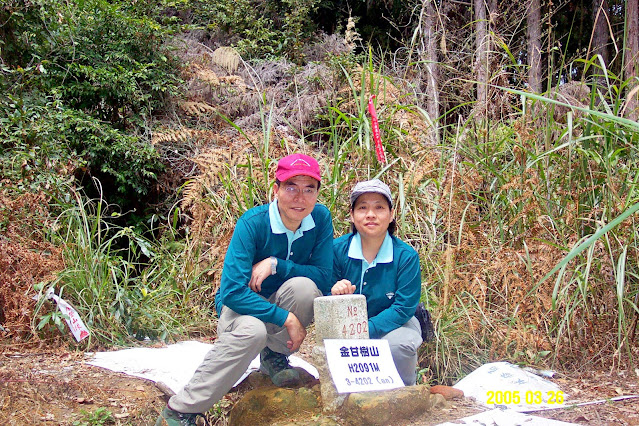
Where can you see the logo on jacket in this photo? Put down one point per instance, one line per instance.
(390, 295)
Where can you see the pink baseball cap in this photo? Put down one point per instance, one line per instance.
(295, 165)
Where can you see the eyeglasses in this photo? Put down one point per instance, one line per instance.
(307, 192)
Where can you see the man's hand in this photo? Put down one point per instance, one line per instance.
(343, 287)
(296, 332)
(261, 270)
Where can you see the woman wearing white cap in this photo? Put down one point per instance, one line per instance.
(373, 262)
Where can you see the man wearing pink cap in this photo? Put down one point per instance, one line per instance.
(279, 260)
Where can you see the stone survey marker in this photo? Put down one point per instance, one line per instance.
(346, 317)
(341, 317)
(335, 318)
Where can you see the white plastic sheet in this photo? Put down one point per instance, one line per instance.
(504, 385)
(173, 365)
(511, 392)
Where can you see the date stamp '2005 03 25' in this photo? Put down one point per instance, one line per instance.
(501, 384)
(529, 397)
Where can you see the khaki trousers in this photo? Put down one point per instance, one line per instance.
(404, 342)
(240, 338)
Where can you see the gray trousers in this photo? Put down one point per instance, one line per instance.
(240, 338)
(404, 342)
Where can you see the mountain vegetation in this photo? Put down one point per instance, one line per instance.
(134, 134)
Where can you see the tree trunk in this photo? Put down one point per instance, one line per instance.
(600, 30)
(431, 77)
(631, 58)
(533, 29)
(492, 7)
(481, 53)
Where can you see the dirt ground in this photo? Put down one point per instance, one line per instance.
(51, 388)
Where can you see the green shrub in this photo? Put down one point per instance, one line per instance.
(84, 77)
(43, 142)
(259, 29)
(33, 154)
(106, 63)
(100, 416)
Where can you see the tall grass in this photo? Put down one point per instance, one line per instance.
(548, 193)
(124, 286)
(554, 194)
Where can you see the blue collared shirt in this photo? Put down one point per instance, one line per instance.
(384, 255)
(391, 283)
(259, 234)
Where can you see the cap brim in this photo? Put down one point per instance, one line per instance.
(355, 195)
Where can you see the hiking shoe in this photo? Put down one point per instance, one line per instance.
(170, 417)
(276, 366)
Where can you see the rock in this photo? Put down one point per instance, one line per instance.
(447, 391)
(438, 402)
(258, 379)
(383, 408)
(267, 405)
(331, 399)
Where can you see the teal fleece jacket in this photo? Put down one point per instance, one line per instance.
(392, 289)
(253, 241)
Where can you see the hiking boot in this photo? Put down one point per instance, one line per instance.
(170, 417)
(276, 366)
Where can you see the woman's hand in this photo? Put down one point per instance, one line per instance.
(343, 287)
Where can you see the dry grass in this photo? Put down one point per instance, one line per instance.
(513, 316)
(494, 280)
(26, 259)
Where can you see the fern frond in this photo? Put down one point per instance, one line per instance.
(196, 109)
(227, 58)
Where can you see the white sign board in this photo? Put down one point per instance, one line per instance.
(361, 365)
